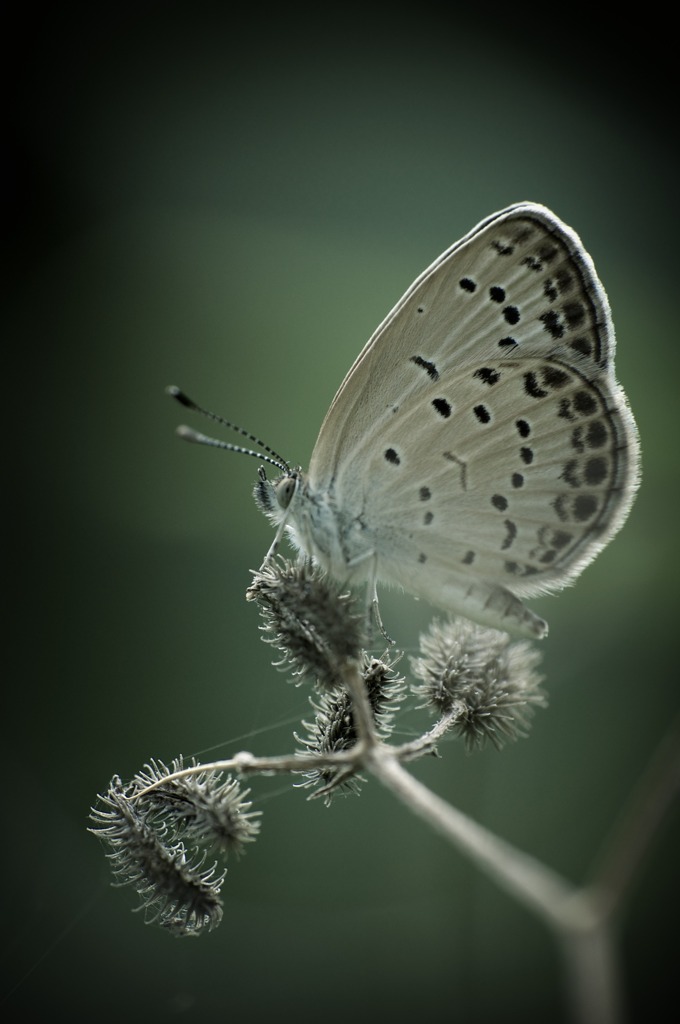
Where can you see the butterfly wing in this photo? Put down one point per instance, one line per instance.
(481, 433)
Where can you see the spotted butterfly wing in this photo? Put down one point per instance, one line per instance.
(479, 450)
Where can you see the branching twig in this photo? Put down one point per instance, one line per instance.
(479, 684)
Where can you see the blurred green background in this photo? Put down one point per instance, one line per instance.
(232, 202)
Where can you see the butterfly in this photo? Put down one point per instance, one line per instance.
(479, 451)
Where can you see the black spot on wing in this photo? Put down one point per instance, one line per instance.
(511, 533)
(596, 471)
(488, 375)
(584, 403)
(554, 377)
(583, 346)
(425, 364)
(442, 407)
(570, 473)
(596, 434)
(574, 314)
(552, 324)
(532, 387)
(585, 507)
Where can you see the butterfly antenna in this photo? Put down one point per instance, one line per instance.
(187, 434)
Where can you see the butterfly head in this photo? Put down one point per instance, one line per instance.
(274, 497)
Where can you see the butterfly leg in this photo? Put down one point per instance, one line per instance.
(373, 607)
(274, 546)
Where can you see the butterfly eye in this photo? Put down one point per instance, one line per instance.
(284, 488)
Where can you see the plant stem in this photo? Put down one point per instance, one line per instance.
(515, 871)
(591, 968)
(364, 722)
(640, 820)
(574, 915)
